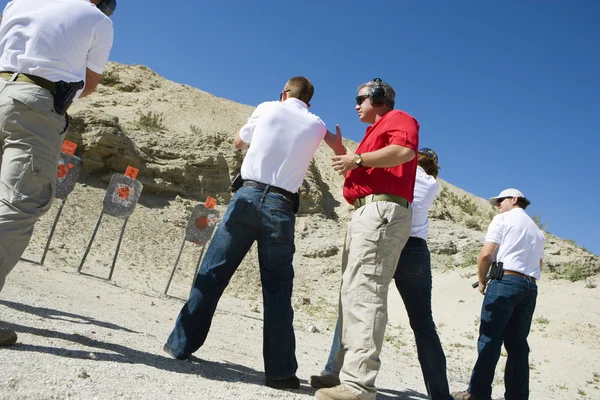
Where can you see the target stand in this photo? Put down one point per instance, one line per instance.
(67, 173)
(120, 200)
(199, 230)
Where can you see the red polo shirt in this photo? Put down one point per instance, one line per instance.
(395, 127)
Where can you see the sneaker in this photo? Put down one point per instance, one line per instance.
(7, 337)
(288, 383)
(339, 392)
(323, 381)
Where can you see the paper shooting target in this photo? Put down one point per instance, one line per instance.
(201, 224)
(67, 174)
(121, 196)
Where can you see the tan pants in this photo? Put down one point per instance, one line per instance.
(371, 253)
(31, 134)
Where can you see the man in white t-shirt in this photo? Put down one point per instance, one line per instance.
(49, 49)
(284, 136)
(514, 240)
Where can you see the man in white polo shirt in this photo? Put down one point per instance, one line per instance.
(514, 240)
(49, 50)
(284, 136)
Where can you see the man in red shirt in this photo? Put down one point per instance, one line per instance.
(380, 179)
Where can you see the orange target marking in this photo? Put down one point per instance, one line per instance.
(201, 222)
(69, 147)
(131, 172)
(123, 192)
(62, 171)
(210, 203)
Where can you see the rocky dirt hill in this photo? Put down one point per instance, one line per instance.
(180, 138)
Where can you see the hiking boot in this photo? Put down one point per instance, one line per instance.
(339, 392)
(7, 337)
(323, 381)
(288, 383)
(464, 396)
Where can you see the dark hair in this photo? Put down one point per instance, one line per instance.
(430, 167)
(300, 88)
(523, 202)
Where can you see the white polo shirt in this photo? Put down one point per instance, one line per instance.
(54, 39)
(426, 188)
(283, 138)
(521, 242)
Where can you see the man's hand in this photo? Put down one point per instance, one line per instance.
(345, 163)
(335, 141)
(481, 287)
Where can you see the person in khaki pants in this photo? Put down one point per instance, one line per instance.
(380, 180)
(45, 46)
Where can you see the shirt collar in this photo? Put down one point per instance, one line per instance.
(294, 100)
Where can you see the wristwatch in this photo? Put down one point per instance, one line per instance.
(358, 160)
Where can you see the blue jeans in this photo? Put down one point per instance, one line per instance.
(413, 280)
(252, 215)
(506, 317)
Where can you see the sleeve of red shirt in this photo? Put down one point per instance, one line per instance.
(403, 130)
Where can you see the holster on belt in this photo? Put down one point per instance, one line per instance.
(496, 271)
(64, 93)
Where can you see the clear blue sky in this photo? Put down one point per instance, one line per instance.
(507, 92)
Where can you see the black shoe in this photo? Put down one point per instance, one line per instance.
(7, 337)
(288, 383)
(167, 350)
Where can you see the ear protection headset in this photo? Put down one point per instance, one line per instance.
(107, 7)
(377, 94)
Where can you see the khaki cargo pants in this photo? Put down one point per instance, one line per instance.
(371, 253)
(31, 135)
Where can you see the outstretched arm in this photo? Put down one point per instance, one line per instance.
(335, 141)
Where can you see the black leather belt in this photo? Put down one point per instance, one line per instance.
(274, 189)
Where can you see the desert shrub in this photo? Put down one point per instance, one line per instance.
(538, 221)
(149, 121)
(467, 205)
(110, 78)
(472, 223)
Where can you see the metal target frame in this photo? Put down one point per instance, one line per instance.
(199, 230)
(120, 200)
(67, 173)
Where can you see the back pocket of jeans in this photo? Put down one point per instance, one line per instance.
(282, 225)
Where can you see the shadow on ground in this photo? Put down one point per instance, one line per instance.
(105, 351)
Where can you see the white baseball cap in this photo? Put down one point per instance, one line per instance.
(506, 193)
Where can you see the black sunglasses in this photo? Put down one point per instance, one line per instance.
(500, 200)
(361, 99)
(281, 94)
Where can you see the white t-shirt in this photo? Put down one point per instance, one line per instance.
(426, 188)
(521, 242)
(54, 39)
(283, 138)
